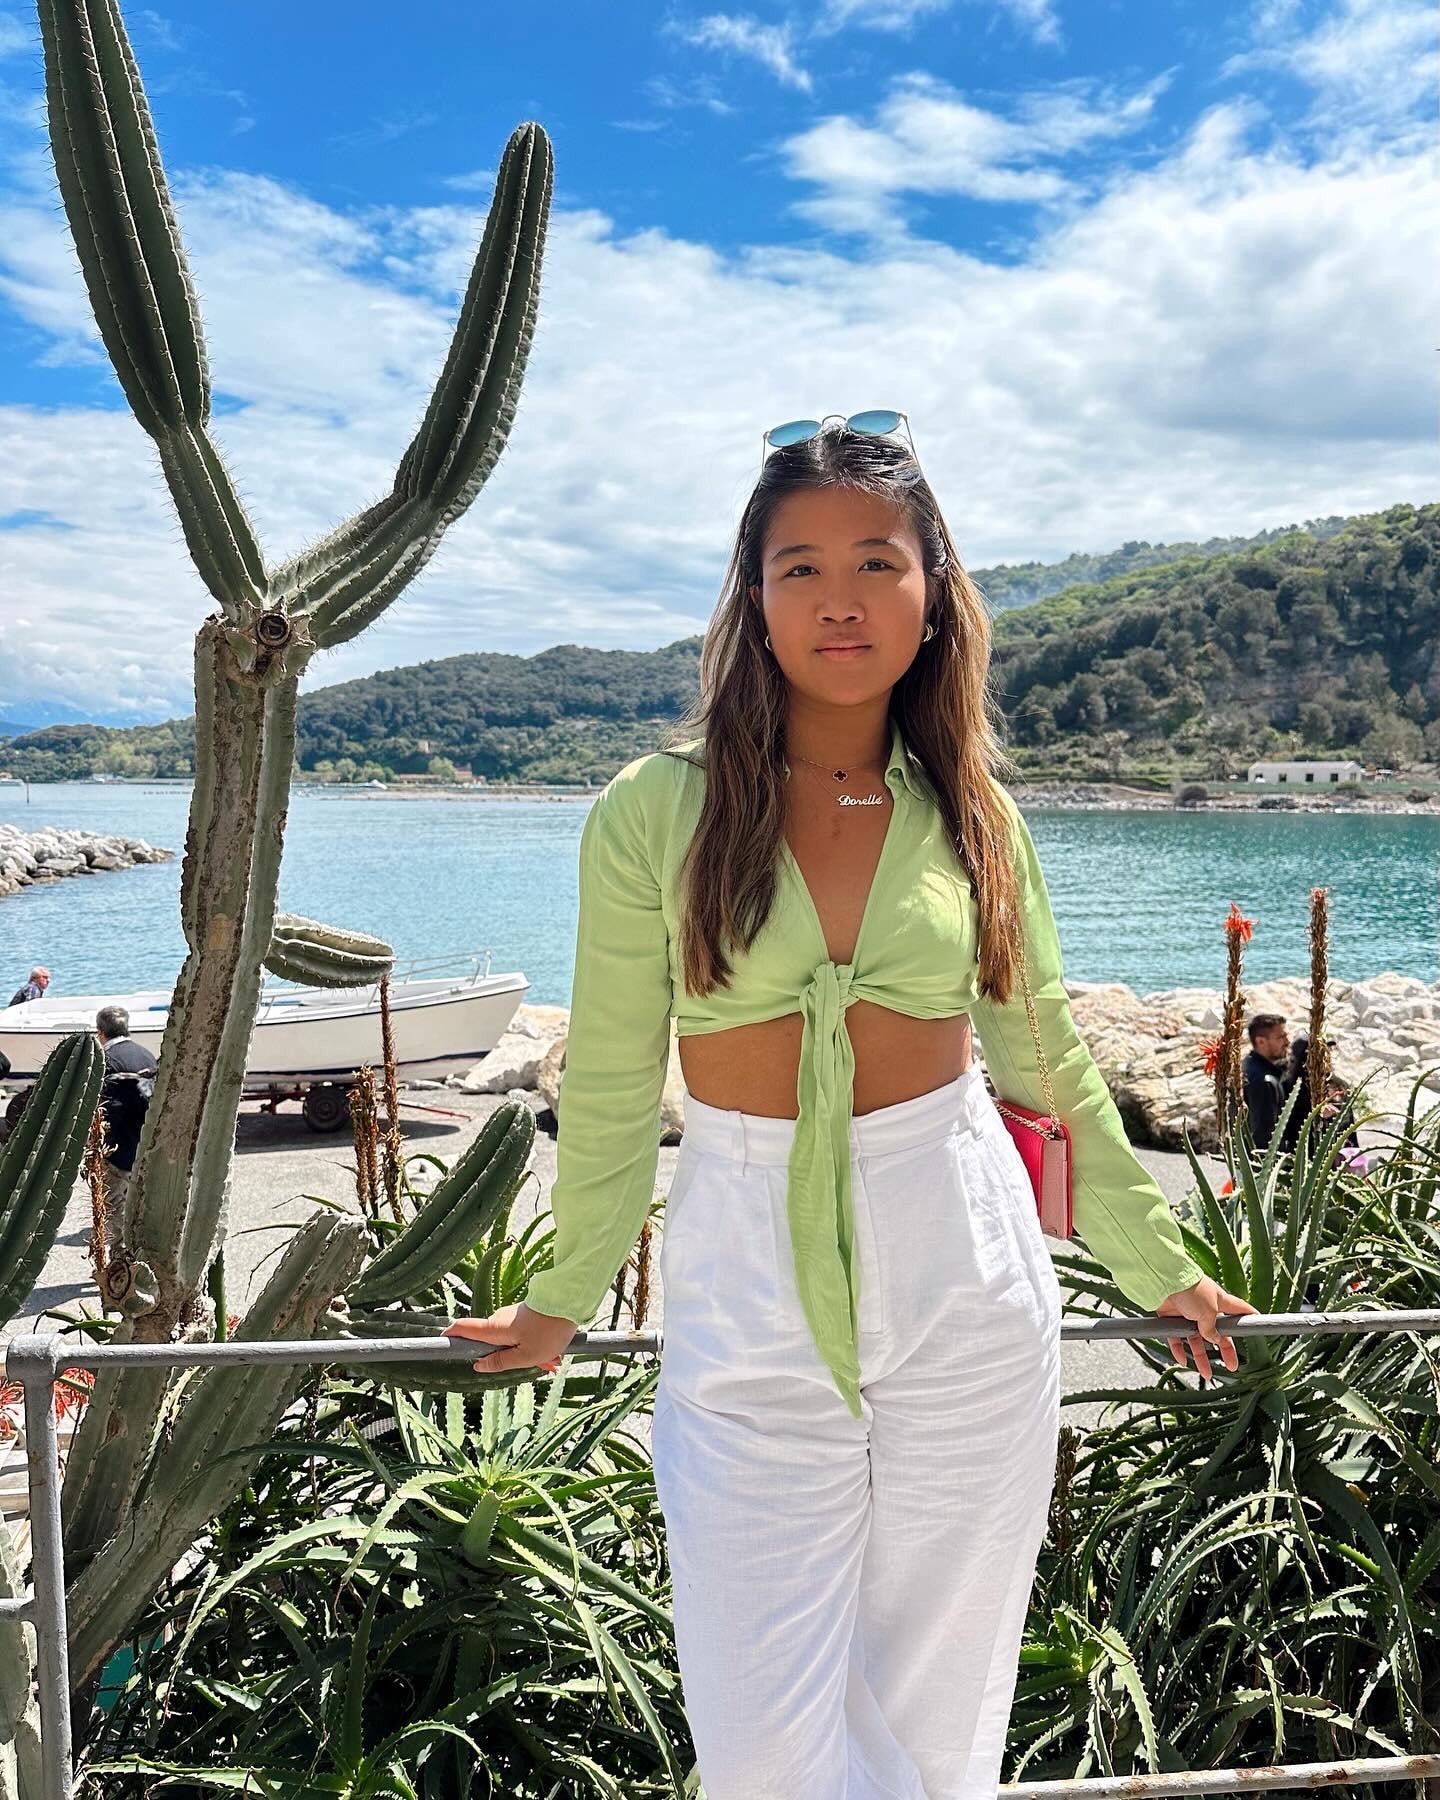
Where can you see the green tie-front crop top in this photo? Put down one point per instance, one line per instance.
(915, 953)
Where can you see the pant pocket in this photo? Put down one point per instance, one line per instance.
(718, 1257)
(680, 1180)
(870, 1310)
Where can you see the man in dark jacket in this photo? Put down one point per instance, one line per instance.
(1263, 1075)
(125, 1095)
(33, 989)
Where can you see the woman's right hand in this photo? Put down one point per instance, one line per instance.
(528, 1340)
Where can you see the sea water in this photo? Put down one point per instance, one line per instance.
(1139, 897)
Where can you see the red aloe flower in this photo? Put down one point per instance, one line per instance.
(12, 1398)
(66, 1398)
(1239, 926)
(1210, 1054)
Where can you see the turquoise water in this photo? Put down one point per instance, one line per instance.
(1140, 897)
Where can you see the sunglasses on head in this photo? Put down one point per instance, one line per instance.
(877, 423)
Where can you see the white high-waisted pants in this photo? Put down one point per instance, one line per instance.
(850, 1594)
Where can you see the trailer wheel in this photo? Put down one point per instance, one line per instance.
(325, 1108)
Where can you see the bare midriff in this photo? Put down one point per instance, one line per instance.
(754, 1068)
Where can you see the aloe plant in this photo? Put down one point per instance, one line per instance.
(249, 655)
(416, 1592)
(1248, 1570)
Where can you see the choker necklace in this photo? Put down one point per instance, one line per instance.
(840, 775)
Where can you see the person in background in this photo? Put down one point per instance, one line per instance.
(33, 989)
(125, 1093)
(1263, 1075)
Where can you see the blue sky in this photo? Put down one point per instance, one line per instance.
(1135, 269)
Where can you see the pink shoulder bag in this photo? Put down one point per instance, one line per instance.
(1042, 1138)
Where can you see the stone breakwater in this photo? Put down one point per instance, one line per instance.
(30, 856)
(1149, 1048)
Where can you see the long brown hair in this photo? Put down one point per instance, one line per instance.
(943, 703)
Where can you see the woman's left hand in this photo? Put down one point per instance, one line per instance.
(1202, 1304)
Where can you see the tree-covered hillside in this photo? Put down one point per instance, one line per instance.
(1011, 585)
(1315, 641)
(1304, 647)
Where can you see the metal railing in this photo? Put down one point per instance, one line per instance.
(35, 1363)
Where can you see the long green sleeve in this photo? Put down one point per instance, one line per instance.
(1119, 1209)
(615, 1059)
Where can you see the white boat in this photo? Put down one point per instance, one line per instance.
(307, 1040)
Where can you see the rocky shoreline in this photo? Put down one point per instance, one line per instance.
(27, 857)
(1101, 797)
(1149, 1048)
(1068, 797)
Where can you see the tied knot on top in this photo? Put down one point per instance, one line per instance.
(819, 1201)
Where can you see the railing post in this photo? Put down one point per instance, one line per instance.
(34, 1363)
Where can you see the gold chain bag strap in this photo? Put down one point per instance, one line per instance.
(1042, 1138)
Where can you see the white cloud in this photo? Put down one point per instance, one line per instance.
(1228, 338)
(1368, 61)
(1037, 18)
(925, 138)
(677, 96)
(14, 37)
(769, 45)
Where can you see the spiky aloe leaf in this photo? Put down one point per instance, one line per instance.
(226, 1412)
(319, 955)
(40, 1161)
(464, 1204)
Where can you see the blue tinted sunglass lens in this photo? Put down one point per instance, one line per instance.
(795, 432)
(873, 421)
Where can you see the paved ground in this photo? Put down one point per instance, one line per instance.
(281, 1163)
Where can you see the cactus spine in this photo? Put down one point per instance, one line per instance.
(249, 655)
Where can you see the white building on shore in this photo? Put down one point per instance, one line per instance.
(1299, 774)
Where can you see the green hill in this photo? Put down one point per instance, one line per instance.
(1011, 585)
(1181, 660)
(1303, 647)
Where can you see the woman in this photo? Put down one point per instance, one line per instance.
(856, 1413)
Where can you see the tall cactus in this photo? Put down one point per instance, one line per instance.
(223, 1413)
(249, 656)
(40, 1161)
